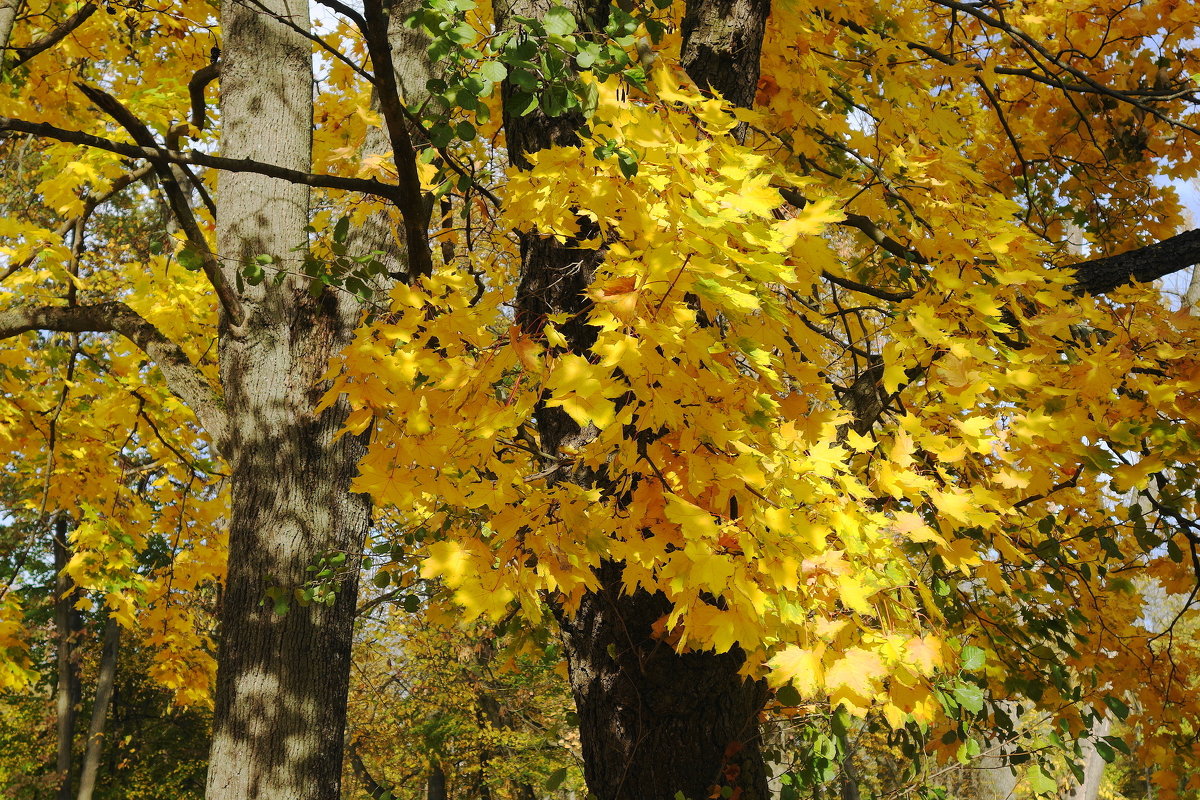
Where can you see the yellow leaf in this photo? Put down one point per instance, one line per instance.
(854, 679)
(695, 522)
(800, 667)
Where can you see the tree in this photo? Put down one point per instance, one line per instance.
(485, 712)
(724, 442)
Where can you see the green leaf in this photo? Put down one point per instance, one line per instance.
(1117, 707)
(441, 134)
(556, 779)
(1117, 743)
(588, 54)
(788, 696)
(969, 696)
(341, 230)
(973, 658)
(462, 33)
(1040, 782)
(465, 131)
(559, 21)
(523, 78)
(636, 76)
(628, 163)
(189, 259)
(520, 103)
(590, 99)
(493, 71)
(1104, 751)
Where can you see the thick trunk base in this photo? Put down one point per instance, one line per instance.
(656, 724)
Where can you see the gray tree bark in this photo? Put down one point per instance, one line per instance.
(282, 678)
(1093, 766)
(67, 693)
(1191, 298)
(8, 13)
(104, 692)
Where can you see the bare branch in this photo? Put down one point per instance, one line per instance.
(26, 52)
(1154, 261)
(855, 286)
(368, 186)
(183, 378)
(344, 10)
(201, 78)
(1031, 46)
(175, 197)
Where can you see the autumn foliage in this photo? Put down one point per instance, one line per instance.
(833, 387)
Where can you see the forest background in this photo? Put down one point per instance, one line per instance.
(713, 396)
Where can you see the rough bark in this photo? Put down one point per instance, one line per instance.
(653, 722)
(435, 788)
(1149, 263)
(282, 678)
(104, 692)
(722, 42)
(67, 624)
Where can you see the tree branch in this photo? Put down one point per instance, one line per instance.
(1154, 261)
(175, 197)
(201, 78)
(372, 786)
(26, 52)
(368, 186)
(183, 378)
(408, 193)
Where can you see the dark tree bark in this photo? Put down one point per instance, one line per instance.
(1149, 263)
(653, 722)
(722, 43)
(435, 787)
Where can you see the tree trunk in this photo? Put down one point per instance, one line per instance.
(1093, 766)
(436, 786)
(722, 42)
(104, 692)
(67, 624)
(283, 666)
(1191, 298)
(992, 773)
(653, 723)
(8, 13)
